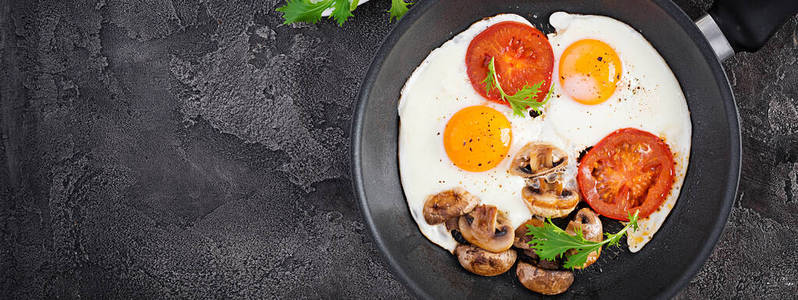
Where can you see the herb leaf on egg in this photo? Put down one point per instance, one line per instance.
(522, 99)
(550, 242)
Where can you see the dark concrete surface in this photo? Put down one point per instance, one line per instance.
(192, 148)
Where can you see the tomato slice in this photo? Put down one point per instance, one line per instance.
(628, 170)
(522, 57)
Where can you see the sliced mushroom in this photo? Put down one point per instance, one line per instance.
(487, 228)
(482, 262)
(530, 254)
(546, 282)
(590, 224)
(521, 240)
(451, 223)
(448, 204)
(537, 159)
(549, 199)
(550, 264)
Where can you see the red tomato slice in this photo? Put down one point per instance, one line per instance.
(628, 170)
(522, 57)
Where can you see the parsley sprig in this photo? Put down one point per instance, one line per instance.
(520, 100)
(310, 11)
(550, 242)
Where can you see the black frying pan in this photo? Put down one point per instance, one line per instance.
(687, 237)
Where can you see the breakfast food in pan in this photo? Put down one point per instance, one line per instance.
(504, 129)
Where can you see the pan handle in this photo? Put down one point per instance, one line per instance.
(743, 25)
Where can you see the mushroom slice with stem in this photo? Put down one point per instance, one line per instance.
(546, 282)
(487, 228)
(592, 230)
(482, 262)
(537, 159)
(549, 199)
(448, 204)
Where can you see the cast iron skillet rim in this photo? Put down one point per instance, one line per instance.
(357, 128)
(735, 146)
(697, 37)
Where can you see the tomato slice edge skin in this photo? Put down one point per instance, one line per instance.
(656, 193)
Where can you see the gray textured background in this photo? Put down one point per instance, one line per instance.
(184, 148)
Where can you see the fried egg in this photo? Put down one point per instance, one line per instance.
(439, 91)
(607, 76)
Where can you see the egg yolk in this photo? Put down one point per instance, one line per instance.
(589, 71)
(477, 138)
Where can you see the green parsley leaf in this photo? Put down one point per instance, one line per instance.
(490, 78)
(303, 10)
(341, 11)
(548, 95)
(521, 99)
(525, 98)
(398, 9)
(550, 242)
(310, 12)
